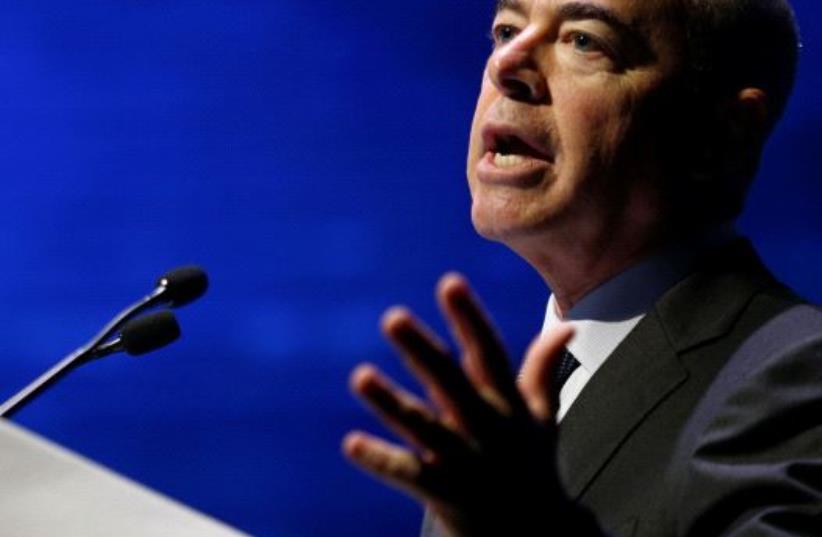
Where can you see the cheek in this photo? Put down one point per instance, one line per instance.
(592, 121)
(486, 98)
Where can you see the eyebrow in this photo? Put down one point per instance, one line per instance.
(629, 32)
(582, 11)
(512, 5)
(577, 11)
(574, 11)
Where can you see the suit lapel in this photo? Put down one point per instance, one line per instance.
(647, 366)
(615, 401)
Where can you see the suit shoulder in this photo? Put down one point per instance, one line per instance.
(749, 455)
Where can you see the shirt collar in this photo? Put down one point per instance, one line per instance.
(594, 339)
(606, 315)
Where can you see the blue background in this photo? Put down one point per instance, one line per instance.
(310, 154)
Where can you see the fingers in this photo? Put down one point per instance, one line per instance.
(426, 357)
(405, 414)
(535, 376)
(484, 357)
(395, 465)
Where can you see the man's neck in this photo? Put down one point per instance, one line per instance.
(572, 271)
(576, 269)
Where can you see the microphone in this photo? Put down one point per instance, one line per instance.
(142, 335)
(175, 288)
(182, 285)
(149, 333)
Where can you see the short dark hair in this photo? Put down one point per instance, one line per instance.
(735, 44)
(731, 45)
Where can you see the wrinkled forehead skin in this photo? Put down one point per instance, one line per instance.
(631, 10)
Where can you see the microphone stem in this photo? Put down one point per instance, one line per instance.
(78, 357)
(58, 371)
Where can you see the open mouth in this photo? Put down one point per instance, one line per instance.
(510, 150)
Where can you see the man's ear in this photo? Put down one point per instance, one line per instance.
(744, 124)
(750, 115)
(730, 149)
(732, 135)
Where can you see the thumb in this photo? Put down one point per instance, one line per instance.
(535, 376)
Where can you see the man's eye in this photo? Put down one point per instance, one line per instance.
(503, 33)
(585, 43)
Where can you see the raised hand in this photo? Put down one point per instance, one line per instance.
(481, 454)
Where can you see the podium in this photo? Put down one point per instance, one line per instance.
(49, 491)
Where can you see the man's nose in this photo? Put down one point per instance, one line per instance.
(516, 72)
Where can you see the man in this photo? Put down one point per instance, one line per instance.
(612, 147)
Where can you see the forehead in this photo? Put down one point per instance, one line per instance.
(632, 11)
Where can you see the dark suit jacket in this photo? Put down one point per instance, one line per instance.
(619, 450)
(749, 461)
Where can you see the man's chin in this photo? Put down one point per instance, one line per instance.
(504, 228)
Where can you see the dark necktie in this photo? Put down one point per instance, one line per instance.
(566, 365)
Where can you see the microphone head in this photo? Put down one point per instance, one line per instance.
(183, 285)
(149, 333)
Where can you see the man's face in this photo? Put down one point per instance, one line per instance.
(567, 130)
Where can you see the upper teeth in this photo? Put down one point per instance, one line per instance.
(508, 161)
